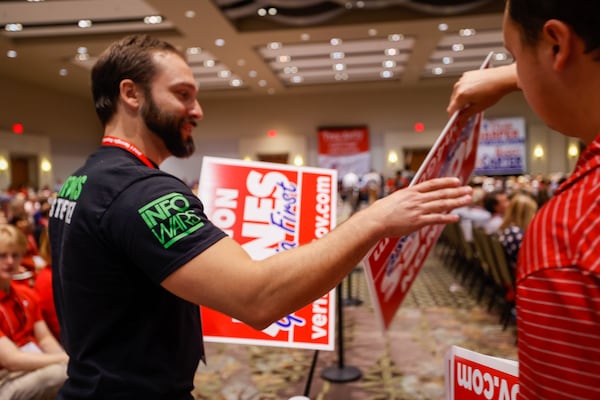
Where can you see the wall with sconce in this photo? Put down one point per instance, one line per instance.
(548, 151)
(4, 171)
(37, 147)
(67, 121)
(283, 142)
(242, 148)
(237, 127)
(398, 143)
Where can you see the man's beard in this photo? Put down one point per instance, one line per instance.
(168, 128)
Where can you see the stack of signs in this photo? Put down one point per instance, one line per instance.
(393, 264)
(475, 376)
(269, 208)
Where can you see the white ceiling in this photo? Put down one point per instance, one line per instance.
(298, 46)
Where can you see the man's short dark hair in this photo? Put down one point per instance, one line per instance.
(490, 201)
(582, 15)
(129, 58)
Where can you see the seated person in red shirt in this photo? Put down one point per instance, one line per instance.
(43, 286)
(32, 363)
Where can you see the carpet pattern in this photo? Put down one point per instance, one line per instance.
(404, 363)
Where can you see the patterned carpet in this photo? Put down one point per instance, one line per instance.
(406, 363)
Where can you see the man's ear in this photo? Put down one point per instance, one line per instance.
(130, 94)
(561, 40)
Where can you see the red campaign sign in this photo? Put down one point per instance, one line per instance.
(393, 263)
(475, 376)
(269, 208)
(343, 141)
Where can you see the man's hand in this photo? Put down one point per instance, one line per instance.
(406, 210)
(480, 89)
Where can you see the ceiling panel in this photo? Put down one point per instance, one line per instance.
(257, 47)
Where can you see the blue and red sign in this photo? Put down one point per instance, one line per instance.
(393, 263)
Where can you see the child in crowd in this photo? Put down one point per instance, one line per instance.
(32, 363)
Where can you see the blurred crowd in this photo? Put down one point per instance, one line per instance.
(28, 210)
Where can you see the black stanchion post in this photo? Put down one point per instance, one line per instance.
(311, 373)
(350, 300)
(340, 373)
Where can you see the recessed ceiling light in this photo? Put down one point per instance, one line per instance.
(339, 67)
(386, 74)
(296, 79)
(82, 54)
(447, 60)
(335, 41)
(13, 27)
(396, 37)
(443, 27)
(372, 32)
(290, 70)
(284, 59)
(458, 47)
(500, 56)
(241, 62)
(84, 23)
(209, 63)
(261, 12)
(305, 36)
(274, 45)
(194, 50)
(437, 71)
(341, 76)
(389, 63)
(224, 74)
(252, 74)
(337, 55)
(220, 42)
(236, 82)
(272, 11)
(63, 72)
(153, 19)
(190, 14)
(262, 83)
(11, 54)
(391, 52)
(467, 32)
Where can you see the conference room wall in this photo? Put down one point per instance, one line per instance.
(232, 124)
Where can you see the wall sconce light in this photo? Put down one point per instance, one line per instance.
(538, 152)
(573, 151)
(3, 164)
(392, 157)
(46, 165)
(298, 160)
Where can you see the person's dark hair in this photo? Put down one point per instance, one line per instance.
(490, 201)
(129, 58)
(582, 15)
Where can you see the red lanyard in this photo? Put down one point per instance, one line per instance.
(130, 147)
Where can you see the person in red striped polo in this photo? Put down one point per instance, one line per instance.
(556, 45)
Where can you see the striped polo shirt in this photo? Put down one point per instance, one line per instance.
(558, 291)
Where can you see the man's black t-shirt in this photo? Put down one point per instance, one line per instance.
(118, 228)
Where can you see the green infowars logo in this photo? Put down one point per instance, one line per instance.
(72, 187)
(170, 219)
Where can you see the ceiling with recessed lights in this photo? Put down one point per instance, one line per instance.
(259, 47)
